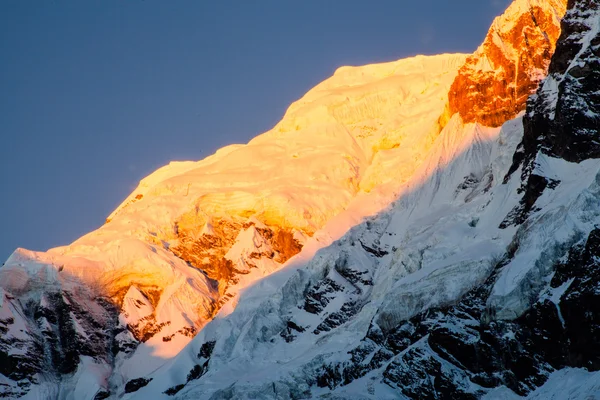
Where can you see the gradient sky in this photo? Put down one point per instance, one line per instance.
(95, 95)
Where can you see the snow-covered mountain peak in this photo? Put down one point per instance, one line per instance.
(193, 234)
(362, 127)
(359, 247)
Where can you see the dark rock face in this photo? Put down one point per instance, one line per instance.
(534, 188)
(136, 384)
(579, 307)
(348, 278)
(419, 375)
(172, 391)
(198, 370)
(563, 117)
(53, 341)
(337, 318)
(457, 352)
(320, 295)
(102, 395)
(206, 349)
(291, 330)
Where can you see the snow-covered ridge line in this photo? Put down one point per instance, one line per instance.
(405, 253)
(356, 136)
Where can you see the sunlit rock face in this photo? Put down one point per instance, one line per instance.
(494, 83)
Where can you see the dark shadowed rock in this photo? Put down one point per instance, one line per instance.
(136, 384)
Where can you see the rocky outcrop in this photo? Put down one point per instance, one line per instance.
(453, 351)
(228, 249)
(136, 384)
(46, 334)
(563, 117)
(493, 85)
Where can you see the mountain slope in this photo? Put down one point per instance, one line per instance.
(461, 304)
(193, 234)
(449, 275)
(438, 296)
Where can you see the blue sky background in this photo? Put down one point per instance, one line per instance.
(95, 95)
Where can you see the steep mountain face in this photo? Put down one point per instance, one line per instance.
(371, 255)
(438, 296)
(494, 83)
(565, 108)
(562, 119)
(194, 234)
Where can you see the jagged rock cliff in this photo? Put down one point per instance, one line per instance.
(494, 83)
(563, 118)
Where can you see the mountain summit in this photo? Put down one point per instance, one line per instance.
(495, 81)
(413, 229)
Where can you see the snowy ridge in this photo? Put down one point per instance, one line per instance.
(195, 233)
(285, 340)
(322, 327)
(411, 269)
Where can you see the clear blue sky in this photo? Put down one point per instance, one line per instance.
(96, 94)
